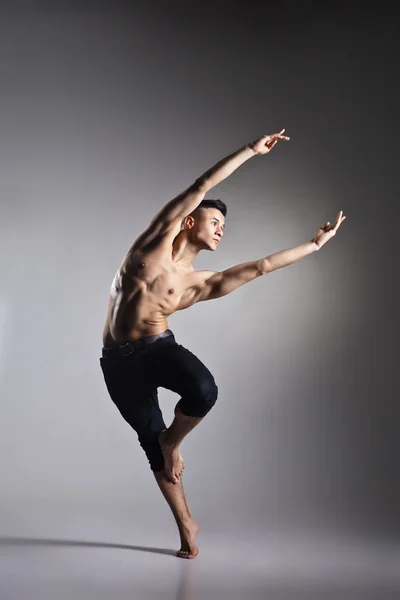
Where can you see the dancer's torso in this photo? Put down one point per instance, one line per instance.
(147, 288)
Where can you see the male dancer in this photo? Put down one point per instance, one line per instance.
(140, 354)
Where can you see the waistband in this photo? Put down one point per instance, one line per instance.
(132, 347)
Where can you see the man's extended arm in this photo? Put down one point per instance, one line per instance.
(223, 283)
(283, 258)
(187, 201)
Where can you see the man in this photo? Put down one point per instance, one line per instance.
(140, 354)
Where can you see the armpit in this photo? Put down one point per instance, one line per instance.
(197, 290)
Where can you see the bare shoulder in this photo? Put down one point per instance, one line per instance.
(156, 236)
(166, 224)
(201, 277)
(154, 244)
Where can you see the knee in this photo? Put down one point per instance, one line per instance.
(201, 398)
(208, 391)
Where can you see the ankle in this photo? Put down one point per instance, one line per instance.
(185, 524)
(167, 442)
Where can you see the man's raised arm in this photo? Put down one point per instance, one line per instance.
(187, 201)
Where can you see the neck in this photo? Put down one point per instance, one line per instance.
(183, 251)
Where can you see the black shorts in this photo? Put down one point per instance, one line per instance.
(133, 380)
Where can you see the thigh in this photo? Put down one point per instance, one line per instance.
(181, 371)
(134, 395)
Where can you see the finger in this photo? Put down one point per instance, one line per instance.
(274, 135)
(265, 139)
(279, 136)
(341, 221)
(338, 220)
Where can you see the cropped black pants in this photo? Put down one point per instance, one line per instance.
(133, 380)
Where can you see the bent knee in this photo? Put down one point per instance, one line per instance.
(209, 392)
(200, 400)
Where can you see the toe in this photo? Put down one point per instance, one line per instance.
(172, 477)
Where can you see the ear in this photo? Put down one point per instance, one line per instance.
(188, 222)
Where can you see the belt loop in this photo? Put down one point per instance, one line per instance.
(122, 349)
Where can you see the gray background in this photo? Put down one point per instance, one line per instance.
(106, 112)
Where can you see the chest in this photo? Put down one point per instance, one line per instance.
(157, 276)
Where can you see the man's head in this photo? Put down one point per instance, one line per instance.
(205, 226)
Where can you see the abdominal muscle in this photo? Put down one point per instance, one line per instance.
(131, 318)
(145, 291)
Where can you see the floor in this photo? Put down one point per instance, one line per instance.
(41, 567)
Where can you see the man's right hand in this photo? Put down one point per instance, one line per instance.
(267, 142)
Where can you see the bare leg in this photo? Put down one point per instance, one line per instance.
(180, 427)
(188, 528)
(171, 438)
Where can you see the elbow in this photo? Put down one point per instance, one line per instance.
(264, 266)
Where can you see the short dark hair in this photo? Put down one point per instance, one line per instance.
(218, 204)
(209, 203)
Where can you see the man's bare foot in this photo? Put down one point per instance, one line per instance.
(173, 461)
(189, 548)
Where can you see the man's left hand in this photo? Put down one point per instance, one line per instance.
(327, 231)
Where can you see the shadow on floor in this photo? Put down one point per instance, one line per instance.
(21, 541)
(185, 589)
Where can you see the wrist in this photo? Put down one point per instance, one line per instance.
(314, 245)
(250, 147)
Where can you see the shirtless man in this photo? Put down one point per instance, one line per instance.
(140, 354)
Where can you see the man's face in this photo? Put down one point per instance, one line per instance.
(208, 229)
